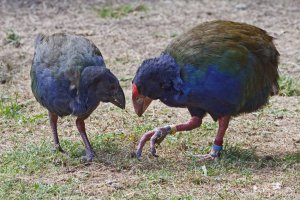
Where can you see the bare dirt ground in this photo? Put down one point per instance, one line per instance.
(124, 42)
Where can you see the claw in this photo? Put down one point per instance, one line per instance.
(153, 152)
(152, 145)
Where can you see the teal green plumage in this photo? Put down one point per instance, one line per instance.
(219, 67)
(237, 49)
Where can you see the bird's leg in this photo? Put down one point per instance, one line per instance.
(158, 135)
(218, 143)
(90, 154)
(53, 123)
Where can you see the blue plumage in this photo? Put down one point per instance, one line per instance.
(222, 68)
(212, 89)
(69, 77)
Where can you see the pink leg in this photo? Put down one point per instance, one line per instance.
(53, 123)
(217, 146)
(90, 154)
(193, 123)
(223, 125)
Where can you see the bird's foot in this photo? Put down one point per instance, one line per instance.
(90, 155)
(156, 137)
(206, 158)
(213, 155)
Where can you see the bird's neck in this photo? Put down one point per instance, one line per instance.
(177, 99)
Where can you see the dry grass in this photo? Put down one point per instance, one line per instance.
(262, 155)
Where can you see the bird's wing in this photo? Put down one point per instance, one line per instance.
(229, 54)
(221, 41)
(66, 55)
(62, 50)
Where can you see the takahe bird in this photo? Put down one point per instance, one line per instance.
(69, 77)
(222, 68)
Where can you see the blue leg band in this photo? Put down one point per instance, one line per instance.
(216, 150)
(217, 147)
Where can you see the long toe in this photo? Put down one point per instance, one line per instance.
(206, 158)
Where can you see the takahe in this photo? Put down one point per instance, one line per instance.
(222, 68)
(69, 77)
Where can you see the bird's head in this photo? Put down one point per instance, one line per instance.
(157, 78)
(104, 85)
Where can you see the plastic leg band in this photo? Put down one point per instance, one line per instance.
(216, 150)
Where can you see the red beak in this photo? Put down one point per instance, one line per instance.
(140, 102)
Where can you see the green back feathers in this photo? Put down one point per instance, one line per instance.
(227, 44)
(241, 51)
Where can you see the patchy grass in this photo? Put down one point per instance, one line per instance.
(173, 173)
(18, 188)
(288, 87)
(173, 35)
(21, 168)
(261, 155)
(36, 159)
(23, 160)
(11, 108)
(120, 11)
(11, 37)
